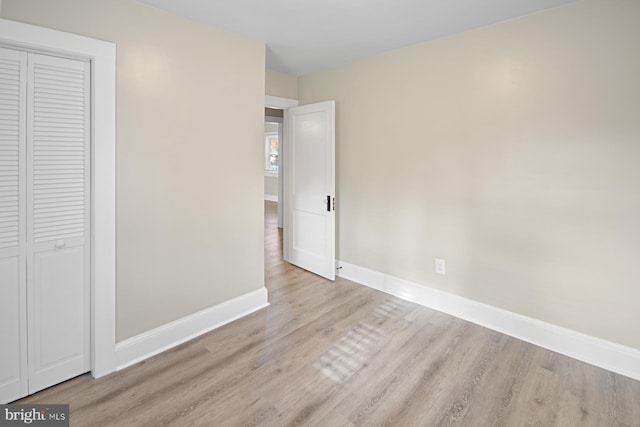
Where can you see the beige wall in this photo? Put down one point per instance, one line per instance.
(271, 186)
(184, 242)
(281, 84)
(510, 151)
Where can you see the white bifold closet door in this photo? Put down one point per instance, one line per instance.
(44, 221)
(13, 249)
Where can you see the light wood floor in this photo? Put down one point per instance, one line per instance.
(340, 354)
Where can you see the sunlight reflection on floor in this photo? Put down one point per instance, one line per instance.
(353, 349)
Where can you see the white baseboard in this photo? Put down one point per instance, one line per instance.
(271, 198)
(155, 341)
(595, 351)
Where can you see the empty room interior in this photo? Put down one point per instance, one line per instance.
(321, 213)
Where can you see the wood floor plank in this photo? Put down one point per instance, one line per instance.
(506, 379)
(338, 354)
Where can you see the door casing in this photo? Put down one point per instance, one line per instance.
(103, 233)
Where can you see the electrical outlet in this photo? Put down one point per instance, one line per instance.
(440, 266)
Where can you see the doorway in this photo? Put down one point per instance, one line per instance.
(306, 162)
(273, 208)
(274, 108)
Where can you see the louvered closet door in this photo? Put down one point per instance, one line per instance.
(58, 229)
(13, 352)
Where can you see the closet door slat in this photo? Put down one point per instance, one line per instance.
(10, 130)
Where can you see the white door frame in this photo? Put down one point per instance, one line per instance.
(283, 104)
(103, 250)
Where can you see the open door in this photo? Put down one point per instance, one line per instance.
(309, 188)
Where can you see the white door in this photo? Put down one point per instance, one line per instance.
(58, 230)
(44, 221)
(309, 187)
(13, 267)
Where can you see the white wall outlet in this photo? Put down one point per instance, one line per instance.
(440, 266)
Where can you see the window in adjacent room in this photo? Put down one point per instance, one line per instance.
(271, 153)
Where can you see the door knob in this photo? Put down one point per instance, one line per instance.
(60, 244)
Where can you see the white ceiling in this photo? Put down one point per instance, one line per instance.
(303, 36)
